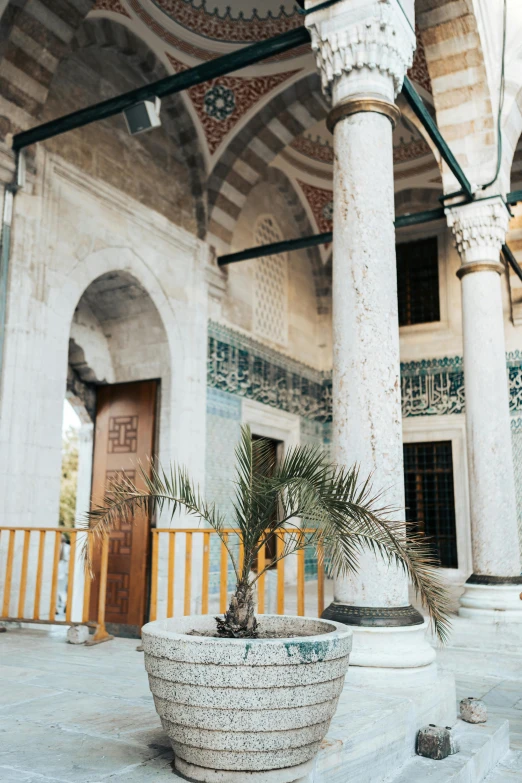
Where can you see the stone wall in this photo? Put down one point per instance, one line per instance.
(150, 167)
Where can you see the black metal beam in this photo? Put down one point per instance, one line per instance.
(319, 239)
(415, 218)
(512, 261)
(219, 66)
(514, 197)
(276, 247)
(419, 108)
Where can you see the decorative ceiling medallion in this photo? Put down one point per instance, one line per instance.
(220, 103)
(111, 5)
(229, 25)
(321, 204)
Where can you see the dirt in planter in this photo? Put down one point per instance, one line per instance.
(260, 634)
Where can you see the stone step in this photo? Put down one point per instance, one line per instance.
(372, 734)
(509, 770)
(482, 748)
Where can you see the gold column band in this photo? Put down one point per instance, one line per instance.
(477, 266)
(356, 105)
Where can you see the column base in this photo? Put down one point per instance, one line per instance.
(385, 638)
(492, 599)
(373, 616)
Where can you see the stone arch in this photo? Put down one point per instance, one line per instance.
(512, 143)
(457, 68)
(64, 299)
(109, 269)
(245, 161)
(322, 282)
(33, 41)
(106, 34)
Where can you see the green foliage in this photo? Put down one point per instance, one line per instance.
(345, 516)
(69, 478)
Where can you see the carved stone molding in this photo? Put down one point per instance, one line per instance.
(479, 229)
(373, 35)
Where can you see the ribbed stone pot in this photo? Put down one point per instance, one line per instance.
(246, 710)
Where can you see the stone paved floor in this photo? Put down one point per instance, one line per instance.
(73, 714)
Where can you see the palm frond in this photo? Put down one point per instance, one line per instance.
(174, 489)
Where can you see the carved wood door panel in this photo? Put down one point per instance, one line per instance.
(124, 437)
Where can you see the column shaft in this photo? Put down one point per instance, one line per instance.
(494, 532)
(367, 423)
(492, 592)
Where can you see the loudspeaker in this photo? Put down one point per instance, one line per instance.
(143, 116)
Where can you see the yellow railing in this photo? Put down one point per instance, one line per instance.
(45, 557)
(174, 581)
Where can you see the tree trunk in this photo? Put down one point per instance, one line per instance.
(239, 621)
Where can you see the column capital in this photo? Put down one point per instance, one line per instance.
(480, 231)
(362, 48)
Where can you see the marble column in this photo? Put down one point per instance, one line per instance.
(363, 50)
(493, 591)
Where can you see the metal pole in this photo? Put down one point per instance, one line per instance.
(274, 248)
(289, 245)
(220, 66)
(418, 106)
(514, 197)
(512, 261)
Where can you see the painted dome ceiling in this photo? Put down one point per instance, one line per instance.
(231, 21)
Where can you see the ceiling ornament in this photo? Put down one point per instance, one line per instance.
(419, 70)
(410, 150)
(190, 49)
(111, 5)
(231, 26)
(318, 149)
(321, 204)
(221, 103)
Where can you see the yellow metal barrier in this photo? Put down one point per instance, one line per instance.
(173, 581)
(28, 537)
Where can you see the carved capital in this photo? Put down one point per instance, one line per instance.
(480, 231)
(351, 38)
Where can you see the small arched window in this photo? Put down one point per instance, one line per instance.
(270, 318)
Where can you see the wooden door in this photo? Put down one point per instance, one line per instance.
(124, 437)
(276, 448)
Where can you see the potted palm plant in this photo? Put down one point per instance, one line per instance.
(246, 697)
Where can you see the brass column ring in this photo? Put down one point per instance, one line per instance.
(356, 105)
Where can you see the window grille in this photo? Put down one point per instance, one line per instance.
(430, 501)
(270, 285)
(418, 282)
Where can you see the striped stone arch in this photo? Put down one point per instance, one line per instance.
(457, 69)
(247, 157)
(512, 142)
(322, 279)
(175, 119)
(34, 37)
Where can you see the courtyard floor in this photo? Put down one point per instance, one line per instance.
(75, 714)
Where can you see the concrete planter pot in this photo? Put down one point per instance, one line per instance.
(246, 710)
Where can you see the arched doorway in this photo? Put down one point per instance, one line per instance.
(119, 367)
